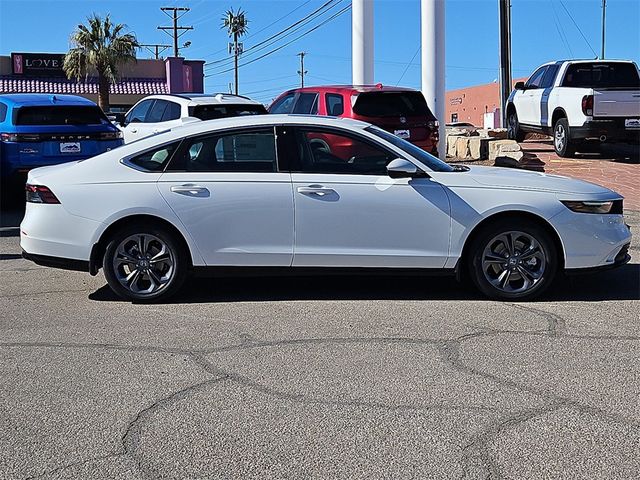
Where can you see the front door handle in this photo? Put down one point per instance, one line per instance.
(318, 190)
(191, 190)
(134, 130)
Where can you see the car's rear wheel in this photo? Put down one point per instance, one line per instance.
(145, 263)
(514, 132)
(562, 143)
(513, 260)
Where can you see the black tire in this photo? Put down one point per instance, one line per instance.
(562, 143)
(173, 269)
(485, 247)
(514, 132)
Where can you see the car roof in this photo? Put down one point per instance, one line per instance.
(193, 99)
(206, 126)
(352, 88)
(43, 99)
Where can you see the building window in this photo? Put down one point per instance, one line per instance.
(454, 117)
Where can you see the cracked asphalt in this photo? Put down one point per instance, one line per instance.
(331, 377)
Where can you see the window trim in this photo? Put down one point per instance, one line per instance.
(185, 141)
(295, 164)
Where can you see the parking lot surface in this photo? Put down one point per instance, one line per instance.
(331, 377)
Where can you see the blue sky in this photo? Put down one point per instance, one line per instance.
(543, 30)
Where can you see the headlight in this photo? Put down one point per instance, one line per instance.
(595, 206)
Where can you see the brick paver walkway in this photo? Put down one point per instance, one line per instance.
(621, 175)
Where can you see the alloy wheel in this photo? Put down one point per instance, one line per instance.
(143, 264)
(560, 137)
(514, 262)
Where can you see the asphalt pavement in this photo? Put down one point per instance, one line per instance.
(329, 377)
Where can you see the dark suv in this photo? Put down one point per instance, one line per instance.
(401, 111)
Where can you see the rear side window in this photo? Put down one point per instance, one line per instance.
(307, 103)
(602, 75)
(284, 105)
(172, 112)
(335, 104)
(3, 112)
(246, 151)
(549, 76)
(60, 115)
(157, 111)
(391, 104)
(211, 112)
(154, 160)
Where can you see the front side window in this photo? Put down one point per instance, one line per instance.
(139, 112)
(330, 151)
(536, 79)
(247, 151)
(154, 160)
(284, 104)
(335, 104)
(306, 104)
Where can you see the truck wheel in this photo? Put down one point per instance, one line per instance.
(562, 143)
(514, 132)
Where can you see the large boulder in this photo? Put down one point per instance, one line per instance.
(509, 161)
(456, 132)
(451, 146)
(462, 147)
(500, 133)
(475, 148)
(498, 146)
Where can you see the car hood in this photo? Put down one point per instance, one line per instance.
(510, 178)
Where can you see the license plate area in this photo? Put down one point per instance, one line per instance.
(404, 134)
(632, 123)
(70, 147)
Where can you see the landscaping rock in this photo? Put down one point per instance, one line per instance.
(451, 146)
(462, 147)
(475, 148)
(456, 132)
(508, 161)
(500, 133)
(496, 145)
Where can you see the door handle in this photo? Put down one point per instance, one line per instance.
(318, 190)
(191, 190)
(134, 130)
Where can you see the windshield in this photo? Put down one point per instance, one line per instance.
(602, 75)
(60, 115)
(391, 104)
(210, 112)
(429, 160)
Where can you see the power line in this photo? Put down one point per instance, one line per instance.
(576, 25)
(408, 65)
(155, 48)
(283, 33)
(563, 36)
(334, 16)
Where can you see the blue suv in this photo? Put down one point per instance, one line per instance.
(40, 129)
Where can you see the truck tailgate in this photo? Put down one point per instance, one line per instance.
(616, 103)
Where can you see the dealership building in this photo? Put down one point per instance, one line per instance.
(43, 73)
(478, 105)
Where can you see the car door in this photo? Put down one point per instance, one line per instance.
(528, 101)
(350, 213)
(229, 194)
(134, 120)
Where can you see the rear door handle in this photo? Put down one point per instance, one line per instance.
(191, 190)
(318, 190)
(134, 130)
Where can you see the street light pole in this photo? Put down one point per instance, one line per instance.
(505, 57)
(604, 11)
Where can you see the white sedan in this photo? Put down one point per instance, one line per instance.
(312, 194)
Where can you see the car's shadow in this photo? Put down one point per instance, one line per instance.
(620, 284)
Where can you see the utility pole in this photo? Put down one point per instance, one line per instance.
(155, 48)
(302, 71)
(505, 57)
(176, 28)
(604, 11)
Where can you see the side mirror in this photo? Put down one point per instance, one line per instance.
(401, 168)
(519, 86)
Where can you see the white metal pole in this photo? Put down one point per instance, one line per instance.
(362, 41)
(433, 53)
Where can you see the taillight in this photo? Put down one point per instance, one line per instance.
(19, 137)
(40, 194)
(587, 105)
(110, 135)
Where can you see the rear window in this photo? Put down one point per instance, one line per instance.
(602, 75)
(391, 104)
(211, 112)
(3, 112)
(60, 115)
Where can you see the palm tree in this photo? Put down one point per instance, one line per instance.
(237, 25)
(103, 46)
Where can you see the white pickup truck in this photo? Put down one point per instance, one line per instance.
(578, 101)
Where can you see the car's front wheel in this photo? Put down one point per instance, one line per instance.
(145, 263)
(513, 260)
